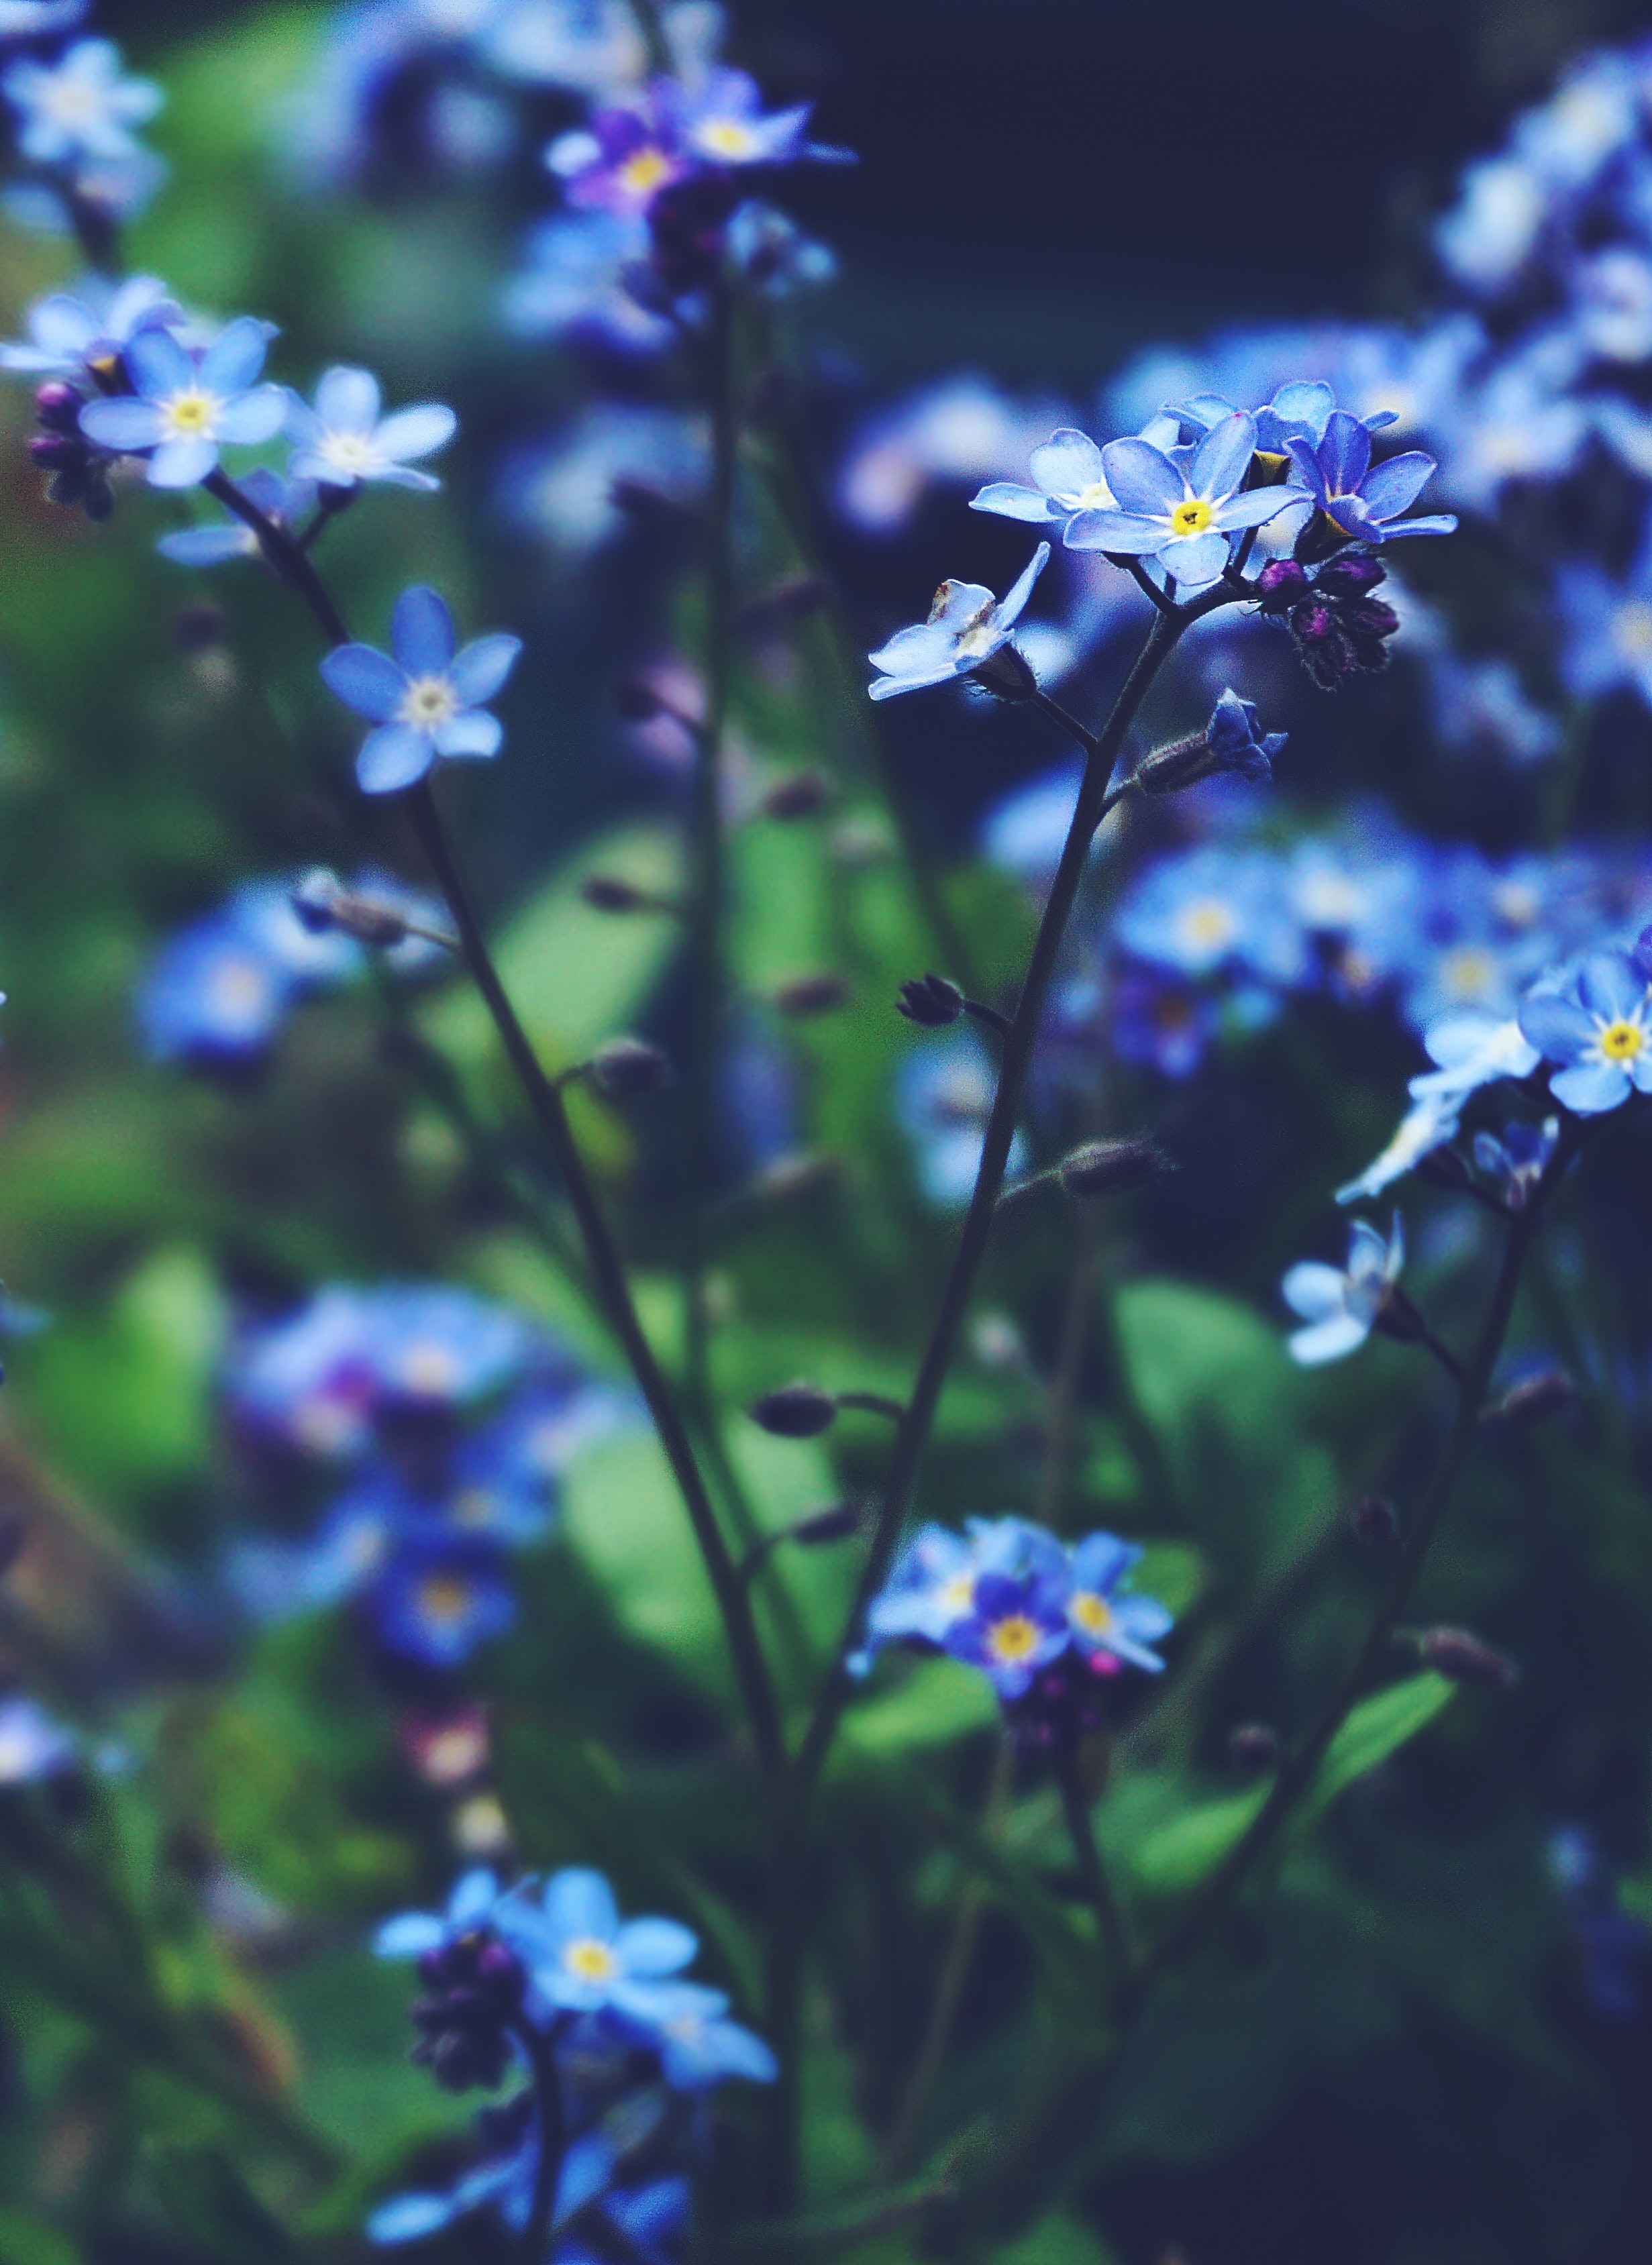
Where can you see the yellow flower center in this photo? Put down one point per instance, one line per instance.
(644, 172)
(590, 1959)
(350, 452)
(1091, 1612)
(726, 137)
(1013, 1639)
(190, 415)
(1208, 923)
(240, 986)
(958, 1595)
(1621, 1042)
(1634, 626)
(1468, 974)
(1191, 517)
(428, 1370)
(427, 702)
(444, 1598)
(1097, 497)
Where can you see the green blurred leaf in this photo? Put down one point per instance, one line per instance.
(1058, 2239)
(25, 2239)
(1177, 1855)
(935, 1701)
(1377, 1727)
(209, 2201)
(624, 1519)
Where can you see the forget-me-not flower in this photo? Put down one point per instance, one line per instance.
(1341, 1305)
(584, 1958)
(1016, 1624)
(70, 333)
(1179, 509)
(1362, 500)
(1105, 1626)
(1428, 1124)
(1599, 1030)
(188, 404)
(698, 2045)
(967, 626)
(224, 537)
(427, 703)
(1470, 1051)
(344, 441)
(411, 1935)
(79, 106)
(439, 1596)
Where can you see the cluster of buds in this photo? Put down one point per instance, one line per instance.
(476, 1986)
(79, 471)
(1338, 627)
(1065, 1703)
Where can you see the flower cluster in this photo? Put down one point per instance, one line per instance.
(454, 1421)
(598, 2010)
(216, 995)
(1050, 1627)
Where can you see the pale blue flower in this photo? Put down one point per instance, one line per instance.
(1341, 1305)
(1180, 510)
(79, 106)
(1428, 1124)
(188, 404)
(343, 442)
(1598, 1030)
(583, 1958)
(1362, 500)
(429, 701)
(966, 626)
(71, 332)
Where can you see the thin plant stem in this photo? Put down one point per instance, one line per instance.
(541, 2061)
(1099, 1891)
(1445, 1357)
(1297, 1773)
(1061, 1414)
(608, 1269)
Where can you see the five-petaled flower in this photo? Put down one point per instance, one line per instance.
(187, 405)
(1363, 501)
(75, 335)
(967, 626)
(1106, 1627)
(583, 1958)
(429, 701)
(344, 441)
(80, 105)
(1016, 1624)
(1341, 1308)
(1180, 510)
(1599, 1030)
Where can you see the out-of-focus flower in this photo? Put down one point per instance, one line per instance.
(33, 1745)
(961, 431)
(583, 1958)
(573, 283)
(1471, 1051)
(1599, 1030)
(426, 703)
(1608, 628)
(218, 541)
(967, 626)
(581, 489)
(343, 442)
(32, 19)
(697, 2043)
(80, 105)
(1106, 1626)
(1518, 1159)
(188, 404)
(1216, 906)
(72, 334)
(1428, 1124)
(942, 1096)
(1340, 1306)
(473, 1903)
(218, 992)
(1490, 233)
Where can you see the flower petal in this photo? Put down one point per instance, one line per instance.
(1313, 1290)
(1068, 461)
(158, 364)
(393, 757)
(365, 678)
(474, 735)
(1114, 530)
(1009, 501)
(421, 631)
(1558, 1027)
(1223, 456)
(579, 1903)
(182, 463)
(479, 671)
(1016, 601)
(1610, 987)
(347, 400)
(1142, 479)
(655, 1946)
(122, 425)
(416, 431)
(1394, 487)
(1591, 1087)
(250, 419)
(232, 362)
(1329, 1340)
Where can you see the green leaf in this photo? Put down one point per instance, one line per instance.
(935, 1701)
(1058, 2239)
(624, 1519)
(28, 2240)
(1178, 1855)
(207, 2198)
(1377, 1727)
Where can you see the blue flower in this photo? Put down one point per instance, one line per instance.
(1016, 1625)
(931, 1588)
(1069, 478)
(1599, 1030)
(1104, 1625)
(1517, 1161)
(72, 333)
(441, 1595)
(1363, 501)
(1180, 511)
(1426, 1125)
(574, 283)
(217, 540)
(188, 404)
(1235, 742)
(412, 1935)
(1214, 907)
(33, 1745)
(219, 991)
(943, 1094)
(1340, 1306)
(697, 2044)
(80, 105)
(343, 442)
(428, 702)
(722, 121)
(1299, 410)
(583, 1958)
(1608, 628)
(1471, 1050)
(966, 626)
(1159, 1022)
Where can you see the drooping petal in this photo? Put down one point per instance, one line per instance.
(422, 632)
(347, 399)
(1313, 1290)
(232, 362)
(1435, 523)
(655, 1946)
(1327, 1340)
(365, 678)
(182, 463)
(121, 425)
(1394, 487)
(1142, 479)
(479, 671)
(416, 431)
(1067, 463)
(471, 737)
(1591, 1087)
(392, 757)
(253, 418)
(1021, 589)
(1008, 501)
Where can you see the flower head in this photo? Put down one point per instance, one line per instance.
(429, 701)
(1106, 1627)
(967, 627)
(79, 106)
(75, 335)
(698, 2045)
(187, 405)
(1179, 509)
(343, 442)
(441, 1595)
(583, 1958)
(1363, 501)
(1342, 1307)
(1599, 1030)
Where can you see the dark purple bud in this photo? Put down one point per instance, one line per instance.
(808, 995)
(1313, 621)
(1253, 1746)
(1534, 1398)
(58, 407)
(57, 452)
(627, 1069)
(1281, 584)
(801, 796)
(930, 1001)
(1462, 1657)
(1374, 1521)
(797, 1411)
(1350, 574)
(72, 485)
(1112, 1168)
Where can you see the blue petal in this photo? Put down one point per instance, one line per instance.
(1223, 457)
(1020, 590)
(1066, 463)
(479, 671)
(416, 431)
(1557, 1027)
(206, 546)
(393, 757)
(1394, 487)
(421, 632)
(365, 678)
(123, 425)
(253, 418)
(347, 400)
(1114, 530)
(1611, 987)
(158, 365)
(476, 734)
(409, 1936)
(409, 2218)
(1344, 453)
(1193, 558)
(655, 1946)
(1592, 1088)
(182, 463)
(233, 361)
(1009, 501)
(579, 1903)
(1142, 479)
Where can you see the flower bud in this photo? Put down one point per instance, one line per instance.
(1463, 1658)
(930, 1001)
(605, 893)
(1281, 584)
(1350, 574)
(1007, 674)
(1444, 1168)
(58, 407)
(835, 1524)
(1111, 1168)
(801, 796)
(797, 1411)
(322, 904)
(627, 1069)
(1179, 763)
(1374, 1521)
(808, 995)
(1533, 1399)
(1253, 1746)
(56, 452)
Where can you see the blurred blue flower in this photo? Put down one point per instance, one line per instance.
(1428, 1124)
(189, 403)
(573, 283)
(411, 1935)
(629, 152)
(1160, 1023)
(966, 626)
(1016, 1625)
(219, 991)
(573, 489)
(429, 701)
(31, 19)
(1362, 500)
(697, 2044)
(79, 105)
(1607, 627)
(1215, 906)
(931, 1586)
(1492, 231)
(943, 1094)
(439, 1596)
(1599, 1030)
(1341, 1305)
(583, 1958)
(344, 441)
(961, 431)
(1104, 1625)
(33, 1745)
(1471, 1050)
(218, 541)
(71, 332)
